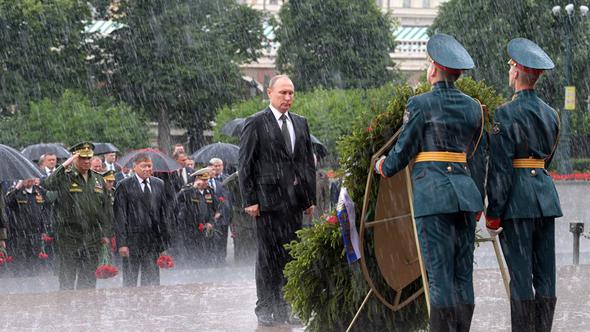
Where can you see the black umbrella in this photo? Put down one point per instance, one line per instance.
(229, 153)
(161, 162)
(14, 166)
(318, 147)
(35, 151)
(233, 127)
(104, 148)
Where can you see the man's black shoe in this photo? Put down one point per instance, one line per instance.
(265, 320)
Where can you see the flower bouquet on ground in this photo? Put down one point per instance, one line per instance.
(165, 262)
(4, 258)
(105, 269)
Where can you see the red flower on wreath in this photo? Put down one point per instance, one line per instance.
(201, 227)
(4, 258)
(165, 262)
(46, 238)
(43, 255)
(106, 271)
(332, 220)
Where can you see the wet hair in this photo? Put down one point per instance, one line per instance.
(141, 158)
(274, 80)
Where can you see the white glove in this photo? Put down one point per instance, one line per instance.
(378, 164)
(495, 232)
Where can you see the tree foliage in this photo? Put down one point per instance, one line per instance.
(42, 50)
(73, 118)
(486, 27)
(335, 43)
(178, 60)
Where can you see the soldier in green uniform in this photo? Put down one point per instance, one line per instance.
(243, 226)
(441, 130)
(522, 199)
(82, 222)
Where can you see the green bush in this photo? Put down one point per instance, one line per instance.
(581, 165)
(323, 289)
(73, 118)
(330, 113)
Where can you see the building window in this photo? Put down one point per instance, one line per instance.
(407, 3)
(425, 3)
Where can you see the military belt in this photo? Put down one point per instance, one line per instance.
(528, 163)
(444, 156)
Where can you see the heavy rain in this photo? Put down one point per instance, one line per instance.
(294, 165)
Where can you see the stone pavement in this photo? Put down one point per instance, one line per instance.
(190, 301)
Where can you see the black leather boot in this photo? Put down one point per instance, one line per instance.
(522, 315)
(464, 316)
(442, 319)
(544, 310)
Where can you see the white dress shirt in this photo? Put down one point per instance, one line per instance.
(277, 115)
(141, 184)
(109, 167)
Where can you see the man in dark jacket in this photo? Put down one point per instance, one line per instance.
(30, 220)
(277, 181)
(224, 199)
(197, 213)
(523, 201)
(140, 223)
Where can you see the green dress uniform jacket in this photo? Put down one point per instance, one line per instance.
(444, 119)
(523, 128)
(82, 209)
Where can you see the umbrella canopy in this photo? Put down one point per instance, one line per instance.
(104, 148)
(35, 151)
(233, 127)
(318, 147)
(229, 153)
(14, 166)
(161, 162)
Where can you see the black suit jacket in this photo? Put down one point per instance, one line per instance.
(224, 207)
(178, 182)
(269, 174)
(139, 224)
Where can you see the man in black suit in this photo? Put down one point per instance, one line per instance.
(181, 177)
(277, 181)
(224, 199)
(140, 226)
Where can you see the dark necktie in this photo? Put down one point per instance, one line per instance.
(146, 189)
(286, 135)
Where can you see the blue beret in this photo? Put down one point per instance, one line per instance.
(448, 52)
(528, 54)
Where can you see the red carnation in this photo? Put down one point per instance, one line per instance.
(201, 227)
(221, 199)
(106, 271)
(165, 262)
(43, 255)
(46, 238)
(369, 129)
(2, 261)
(9, 259)
(332, 220)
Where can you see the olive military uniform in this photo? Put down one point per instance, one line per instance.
(82, 219)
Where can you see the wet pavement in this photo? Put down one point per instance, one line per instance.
(192, 300)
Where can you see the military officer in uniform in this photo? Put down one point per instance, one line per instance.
(522, 199)
(82, 222)
(441, 130)
(197, 212)
(30, 219)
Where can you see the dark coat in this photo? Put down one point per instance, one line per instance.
(268, 171)
(525, 127)
(141, 224)
(224, 201)
(444, 119)
(195, 208)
